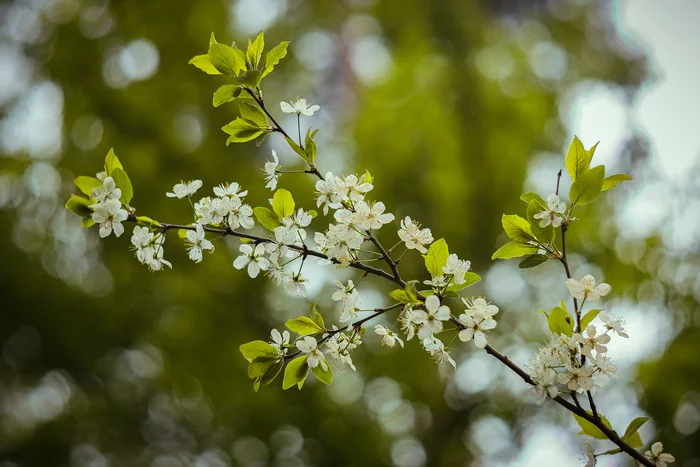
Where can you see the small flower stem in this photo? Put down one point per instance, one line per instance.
(299, 129)
(558, 179)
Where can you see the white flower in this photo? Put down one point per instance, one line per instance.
(327, 193)
(101, 175)
(590, 456)
(410, 321)
(353, 188)
(183, 190)
(142, 241)
(296, 285)
(436, 282)
(586, 288)
(591, 341)
(477, 318)
(436, 348)
(613, 323)
(279, 341)
(577, 378)
(373, 217)
(213, 211)
(299, 107)
(108, 190)
(307, 345)
(197, 243)
(551, 215)
(349, 297)
(253, 258)
(157, 262)
(457, 268)
(389, 337)
(658, 457)
(542, 391)
(432, 318)
(271, 174)
(231, 190)
(110, 216)
(413, 236)
(604, 365)
(240, 215)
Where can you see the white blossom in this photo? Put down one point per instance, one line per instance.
(431, 319)
(604, 365)
(296, 285)
(589, 455)
(183, 190)
(108, 190)
(197, 243)
(413, 236)
(353, 188)
(410, 321)
(436, 348)
(109, 215)
(613, 323)
(349, 297)
(389, 337)
(253, 258)
(328, 194)
(577, 378)
(551, 215)
(308, 346)
(592, 341)
(586, 288)
(280, 341)
(457, 268)
(371, 217)
(231, 190)
(658, 456)
(477, 318)
(240, 215)
(142, 241)
(299, 107)
(271, 174)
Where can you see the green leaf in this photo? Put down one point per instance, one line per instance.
(79, 205)
(544, 234)
(296, 372)
(532, 261)
(303, 325)
(283, 203)
(470, 278)
(121, 179)
(517, 228)
(310, 146)
(560, 321)
(296, 148)
(316, 316)
(242, 130)
(267, 218)
(631, 435)
(112, 162)
(514, 250)
(403, 296)
(253, 113)
(250, 78)
(255, 349)
(614, 180)
(436, 257)
(147, 221)
(530, 196)
(587, 428)
(255, 50)
(203, 63)
(273, 57)
(86, 184)
(87, 222)
(227, 60)
(228, 93)
(588, 317)
(578, 159)
(272, 372)
(324, 376)
(587, 186)
(259, 366)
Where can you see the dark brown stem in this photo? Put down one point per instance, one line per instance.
(558, 179)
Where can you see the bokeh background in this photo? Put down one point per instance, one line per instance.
(456, 107)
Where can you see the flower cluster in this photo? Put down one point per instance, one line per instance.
(413, 236)
(108, 212)
(477, 319)
(149, 248)
(227, 208)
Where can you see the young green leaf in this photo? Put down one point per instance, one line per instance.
(544, 234)
(79, 205)
(86, 184)
(530, 196)
(324, 375)
(296, 148)
(588, 317)
(255, 50)
(249, 79)
(514, 250)
(242, 130)
(203, 63)
(587, 186)
(121, 179)
(272, 372)
(303, 325)
(470, 278)
(112, 162)
(316, 316)
(87, 222)
(228, 93)
(310, 146)
(587, 428)
(631, 435)
(436, 257)
(532, 261)
(517, 228)
(283, 203)
(273, 57)
(259, 366)
(560, 321)
(227, 60)
(578, 159)
(253, 113)
(295, 373)
(255, 349)
(401, 295)
(148, 222)
(613, 181)
(267, 218)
